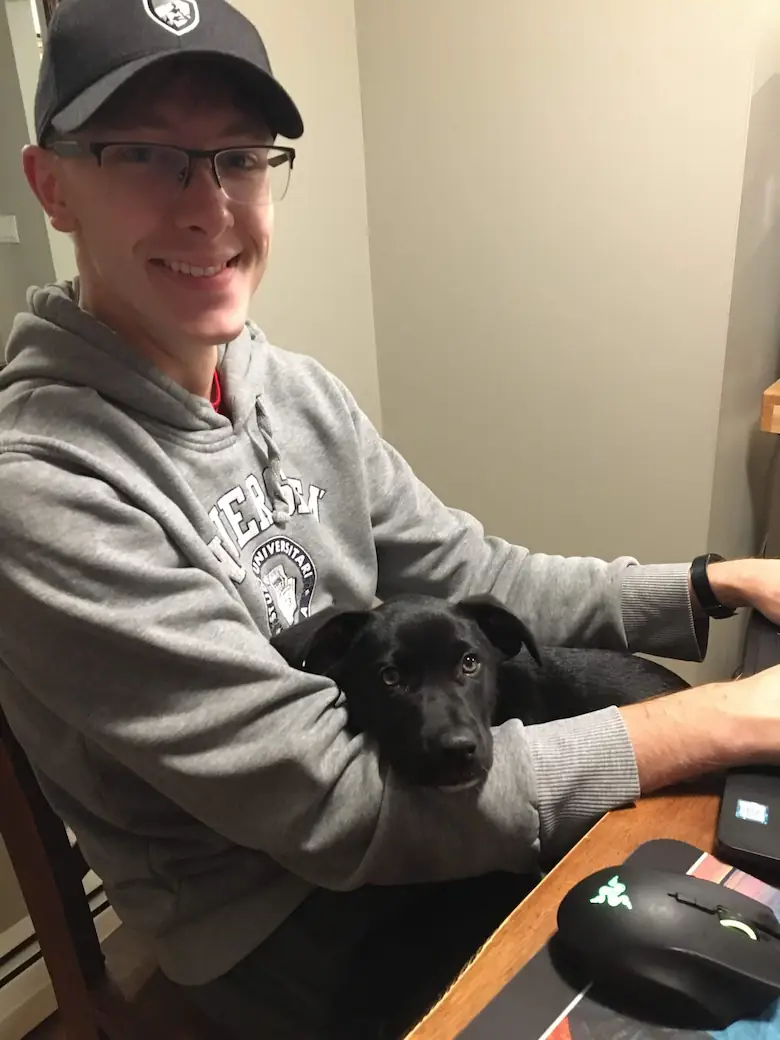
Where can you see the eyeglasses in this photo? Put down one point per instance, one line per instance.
(255, 174)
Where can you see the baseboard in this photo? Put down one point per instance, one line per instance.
(28, 998)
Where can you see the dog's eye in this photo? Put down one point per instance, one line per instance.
(390, 676)
(470, 664)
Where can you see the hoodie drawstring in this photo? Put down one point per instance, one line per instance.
(280, 510)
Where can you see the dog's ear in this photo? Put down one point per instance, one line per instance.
(293, 643)
(504, 630)
(318, 643)
(334, 639)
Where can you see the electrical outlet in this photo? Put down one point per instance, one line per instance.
(8, 229)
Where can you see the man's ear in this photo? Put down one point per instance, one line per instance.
(504, 630)
(318, 643)
(46, 178)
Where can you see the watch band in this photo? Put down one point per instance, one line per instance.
(700, 584)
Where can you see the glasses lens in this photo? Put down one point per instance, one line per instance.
(259, 176)
(146, 167)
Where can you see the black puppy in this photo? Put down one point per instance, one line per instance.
(427, 678)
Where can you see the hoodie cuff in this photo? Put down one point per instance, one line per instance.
(584, 767)
(658, 615)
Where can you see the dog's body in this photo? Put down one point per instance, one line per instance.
(427, 678)
(571, 681)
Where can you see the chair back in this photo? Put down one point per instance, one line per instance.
(50, 872)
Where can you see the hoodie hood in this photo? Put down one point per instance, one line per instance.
(58, 342)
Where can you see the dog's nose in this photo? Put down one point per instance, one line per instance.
(458, 746)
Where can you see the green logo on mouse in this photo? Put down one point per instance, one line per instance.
(614, 894)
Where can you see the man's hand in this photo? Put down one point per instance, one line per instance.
(748, 583)
(706, 729)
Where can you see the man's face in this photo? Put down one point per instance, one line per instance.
(131, 244)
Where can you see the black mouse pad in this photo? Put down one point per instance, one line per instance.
(539, 1003)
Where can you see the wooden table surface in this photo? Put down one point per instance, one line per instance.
(687, 814)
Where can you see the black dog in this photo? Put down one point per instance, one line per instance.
(427, 678)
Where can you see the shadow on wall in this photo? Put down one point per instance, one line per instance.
(755, 305)
(747, 474)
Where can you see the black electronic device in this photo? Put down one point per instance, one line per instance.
(635, 930)
(748, 833)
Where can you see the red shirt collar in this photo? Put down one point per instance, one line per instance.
(216, 393)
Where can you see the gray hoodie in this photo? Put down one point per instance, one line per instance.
(149, 546)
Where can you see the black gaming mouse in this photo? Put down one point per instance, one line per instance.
(671, 948)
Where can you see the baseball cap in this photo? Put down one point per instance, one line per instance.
(93, 47)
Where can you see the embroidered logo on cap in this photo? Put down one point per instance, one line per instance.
(177, 16)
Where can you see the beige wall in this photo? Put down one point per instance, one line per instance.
(20, 264)
(27, 59)
(554, 196)
(316, 297)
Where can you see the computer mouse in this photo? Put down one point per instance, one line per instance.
(706, 954)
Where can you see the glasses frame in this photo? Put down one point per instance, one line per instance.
(72, 149)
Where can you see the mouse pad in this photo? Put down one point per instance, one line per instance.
(538, 1004)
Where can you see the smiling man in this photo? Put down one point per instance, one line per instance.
(132, 133)
(175, 491)
(173, 295)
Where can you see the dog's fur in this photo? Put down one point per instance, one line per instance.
(427, 678)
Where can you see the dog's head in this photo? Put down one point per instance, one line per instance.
(420, 676)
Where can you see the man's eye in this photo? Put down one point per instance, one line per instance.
(390, 676)
(244, 162)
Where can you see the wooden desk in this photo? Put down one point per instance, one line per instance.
(688, 814)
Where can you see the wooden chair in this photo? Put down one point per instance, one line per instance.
(50, 872)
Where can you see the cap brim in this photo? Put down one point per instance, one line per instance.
(274, 103)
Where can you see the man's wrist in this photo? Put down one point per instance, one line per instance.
(680, 736)
(732, 581)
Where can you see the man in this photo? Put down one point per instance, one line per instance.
(175, 490)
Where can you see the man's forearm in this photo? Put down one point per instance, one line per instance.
(681, 736)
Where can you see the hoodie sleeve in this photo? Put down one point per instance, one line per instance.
(107, 624)
(425, 547)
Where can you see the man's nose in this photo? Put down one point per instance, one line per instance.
(202, 203)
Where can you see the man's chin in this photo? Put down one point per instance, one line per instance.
(202, 320)
(209, 330)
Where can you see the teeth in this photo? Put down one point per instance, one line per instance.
(197, 272)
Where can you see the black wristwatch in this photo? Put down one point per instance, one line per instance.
(700, 584)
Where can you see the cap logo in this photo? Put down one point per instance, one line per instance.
(177, 16)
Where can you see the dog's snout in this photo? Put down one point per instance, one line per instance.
(458, 745)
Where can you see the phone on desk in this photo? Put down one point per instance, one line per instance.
(749, 823)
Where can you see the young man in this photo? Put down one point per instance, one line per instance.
(175, 490)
